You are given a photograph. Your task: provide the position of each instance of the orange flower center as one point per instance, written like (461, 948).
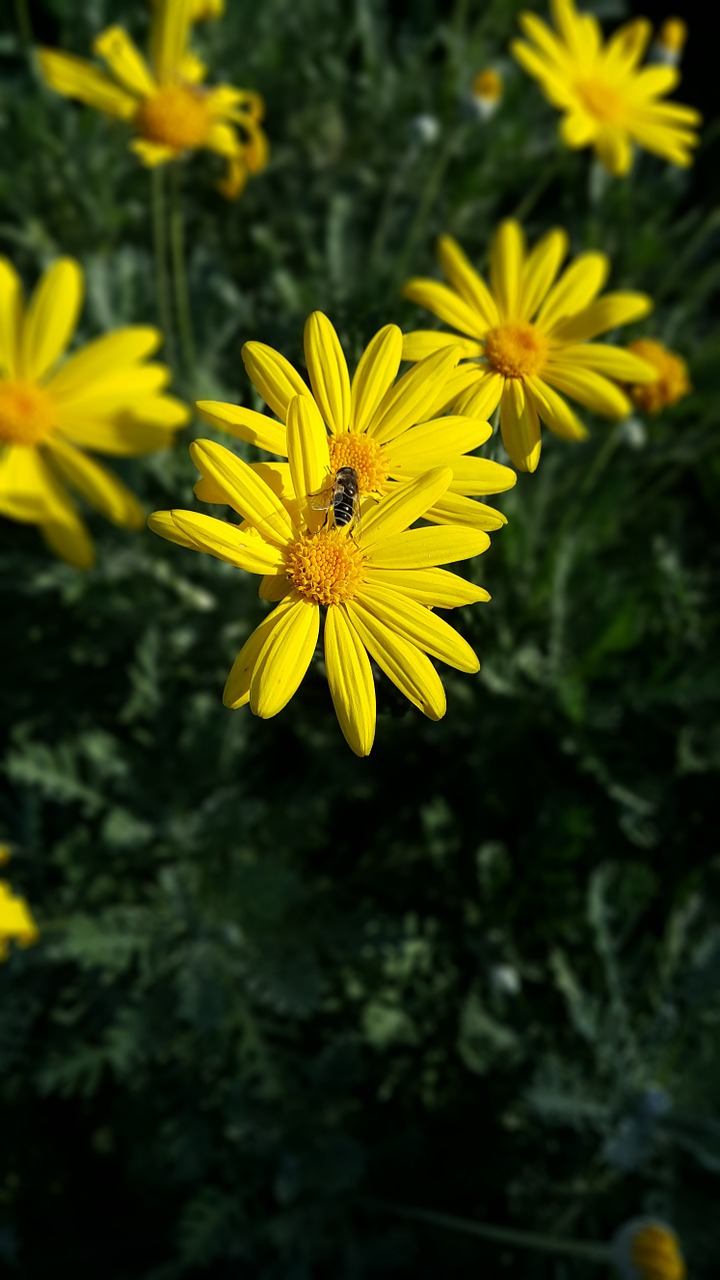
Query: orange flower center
(325, 567)
(362, 453)
(488, 84)
(515, 350)
(176, 116)
(27, 413)
(655, 1253)
(601, 101)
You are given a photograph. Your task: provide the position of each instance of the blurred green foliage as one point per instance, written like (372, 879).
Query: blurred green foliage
(279, 989)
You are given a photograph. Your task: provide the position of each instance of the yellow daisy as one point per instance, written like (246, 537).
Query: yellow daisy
(608, 103)
(16, 921)
(648, 1250)
(673, 381)
(105, 397)
(163, 99)
(376, 579)
(526, 339)
(380, 427)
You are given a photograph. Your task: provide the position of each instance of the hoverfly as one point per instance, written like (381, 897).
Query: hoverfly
(342, 497)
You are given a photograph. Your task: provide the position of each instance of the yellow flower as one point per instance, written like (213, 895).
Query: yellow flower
(673, 382)
(380, 427)
(15, 921)
(104, 397)
(377, 579)
(670, 41)
(607, 101)
(486, 92)
(163, 98)
(647, 1250)
(528, 337)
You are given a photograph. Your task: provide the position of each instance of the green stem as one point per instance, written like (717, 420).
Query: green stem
(179, 274)
(162, 283)
(503, 1235)
(22, 17)
(528, 202)
(429, 194)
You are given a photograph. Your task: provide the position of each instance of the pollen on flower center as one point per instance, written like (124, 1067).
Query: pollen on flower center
(325, 567)
(27, 413)
(601, 101)
(176, 116)
(364, 454)
(516, 350)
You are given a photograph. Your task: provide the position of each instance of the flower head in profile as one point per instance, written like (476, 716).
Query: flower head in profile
(105, 397)
(377, 581)
(672, 380)
(383, 428)
(608, 101)
(163, 98)
(527, 338)
(670, 41)
(645, 1249)
(16, 922)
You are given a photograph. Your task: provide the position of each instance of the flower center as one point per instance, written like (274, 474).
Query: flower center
(488, 84)
(325, 567)
(601, 101)
(176, 116)
(516, 350)
(27, 413)
(362, 453)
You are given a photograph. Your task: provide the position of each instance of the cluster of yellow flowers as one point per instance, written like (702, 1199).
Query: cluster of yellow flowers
(335, 525)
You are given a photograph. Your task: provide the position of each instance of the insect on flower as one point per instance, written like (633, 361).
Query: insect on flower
(343, 498)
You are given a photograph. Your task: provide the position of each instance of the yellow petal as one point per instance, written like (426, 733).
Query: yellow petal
(169, 37)
(556, 412)
(350, 678)
(406, 503)
(152, 154)
(427, 547)
(208, 491)
(507, 255)
(68, 537)
(434, 588)
(119, 436)
(589, 388)
(408, 668)
(605, 313)
(446, 304)
(613, 362)
(91, 364)
(614, 150)
(273, 376)
(237, 685)
(475, 477)
(425, 342)
(163, 524)
(117, 388)
(51, 317)
(78, 79)
(274, 587)
(26, 489)
(328, 371)
(246, 424)
(125, 61)
(284, 658)
(455, 508)
(429, 444)
(246, 491)
(575, 289)
(375, 374)
(245, 549)
(308, 455)
(482, 397)
(11, 317)
(519, 426)
(98, 486)
(541, 268)
(467, 282)
(419, 625)
(413, 398)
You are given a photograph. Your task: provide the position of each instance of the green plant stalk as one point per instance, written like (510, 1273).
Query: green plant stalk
(160, 248)
(590, 1250)
(179, 276)
(22, 17)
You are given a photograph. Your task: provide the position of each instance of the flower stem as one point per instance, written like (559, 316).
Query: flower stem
(162, 283)
(503, 1235)
(179, 274)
